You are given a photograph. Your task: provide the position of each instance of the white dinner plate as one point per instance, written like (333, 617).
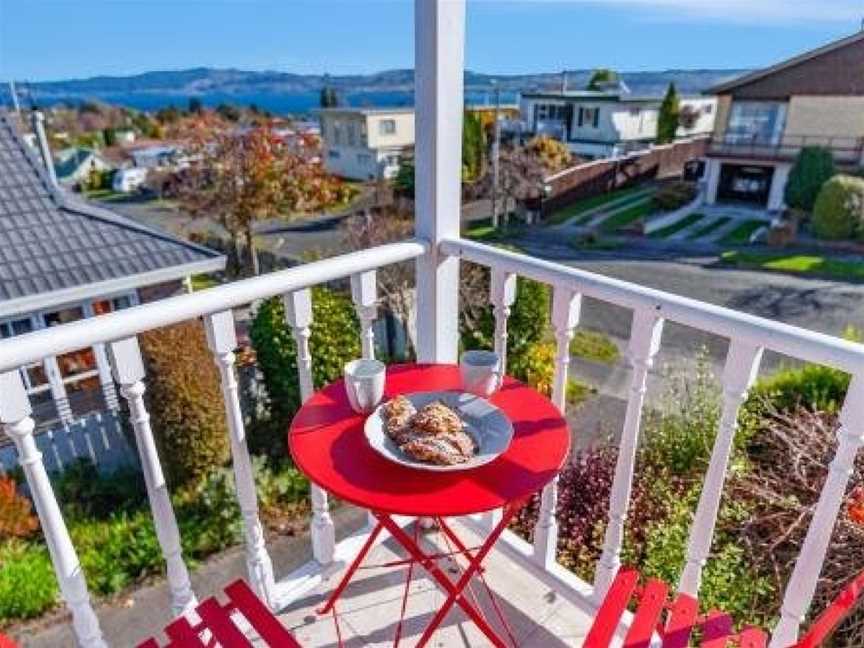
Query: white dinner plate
(488, 426)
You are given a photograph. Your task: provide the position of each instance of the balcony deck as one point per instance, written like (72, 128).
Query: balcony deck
(538, 615)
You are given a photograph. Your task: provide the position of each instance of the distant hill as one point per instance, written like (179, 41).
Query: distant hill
(284, 91)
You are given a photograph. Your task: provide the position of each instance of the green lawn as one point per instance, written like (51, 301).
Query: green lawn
(594, 346)
(807, 264)
(588, 204)
(741, 234)
(710, 228)
(482, 230)
(627, 216)
(202, 282)
(674, 228)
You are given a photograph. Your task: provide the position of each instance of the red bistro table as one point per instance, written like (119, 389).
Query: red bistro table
(328, 444)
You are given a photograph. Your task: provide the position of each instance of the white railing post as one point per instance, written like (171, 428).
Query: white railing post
(298, 314)
(645, 334)
(364, 293)
(103, 365)
(17, 423)
(805, 576)
(502, 294)
(742, 366)
(129, 373)
(439, 38)
(566, 308)
(222, 340)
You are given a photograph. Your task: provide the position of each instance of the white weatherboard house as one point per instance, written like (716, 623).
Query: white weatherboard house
(601, 124)
(366, 143)
(63, 260)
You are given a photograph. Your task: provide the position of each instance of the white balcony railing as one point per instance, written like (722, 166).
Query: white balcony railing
(437, 251)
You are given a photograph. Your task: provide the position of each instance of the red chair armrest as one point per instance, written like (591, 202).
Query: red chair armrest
(828, 621)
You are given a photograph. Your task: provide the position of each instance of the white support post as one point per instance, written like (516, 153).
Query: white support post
(16, 421)
(805, 576)
(742, 367)
(502, 294)
(298, 314)
(129, 372)
(566, 308)
(645, 334)
(103, 365)
(364, 293)
(439, 37)
(222, 340)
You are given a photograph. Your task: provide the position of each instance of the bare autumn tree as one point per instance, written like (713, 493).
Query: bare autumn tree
(240, 176)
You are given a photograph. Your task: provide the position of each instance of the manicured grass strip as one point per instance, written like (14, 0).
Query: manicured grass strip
(202, 282)
(587, 204)
(741, 234)
(710, 228)
(806, 264)
(595, 346)
(674, 228)
(627, 216)
(611, 206)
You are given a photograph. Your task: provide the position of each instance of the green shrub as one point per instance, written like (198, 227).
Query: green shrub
(839, 210)
(594, 346)
(528, 323)
(84, 492)
(185, 401)
(813, 167)
(674, 195)
(28, 587)
(334, 341)
(815, 387)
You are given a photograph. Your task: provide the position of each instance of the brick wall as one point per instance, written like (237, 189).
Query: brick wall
(592, 178)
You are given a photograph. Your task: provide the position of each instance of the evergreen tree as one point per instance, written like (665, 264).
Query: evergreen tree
(813, 167)
(329, 98)
(602, 76)
(473, 146)
(195, 105)
(670, 114)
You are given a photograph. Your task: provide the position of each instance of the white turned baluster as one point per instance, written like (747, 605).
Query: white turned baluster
(502, 294)
(222, 340)
(742, 366)
(802, 584)
(129, 372)
(645, 334)
(566, 306)
(17, 423)
(298, 314)
(364, 293)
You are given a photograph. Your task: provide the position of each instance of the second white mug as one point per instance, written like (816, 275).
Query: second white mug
(481, 372)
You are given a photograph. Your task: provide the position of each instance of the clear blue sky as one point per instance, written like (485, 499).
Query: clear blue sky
(41, 39)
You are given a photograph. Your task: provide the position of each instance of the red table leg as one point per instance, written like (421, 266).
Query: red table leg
(455, 591)
(352, 569)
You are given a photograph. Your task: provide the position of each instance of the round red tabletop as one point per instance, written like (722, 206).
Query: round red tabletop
(328, 444)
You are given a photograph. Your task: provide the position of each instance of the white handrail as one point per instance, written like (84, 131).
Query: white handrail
(758, 331)
(31, 347)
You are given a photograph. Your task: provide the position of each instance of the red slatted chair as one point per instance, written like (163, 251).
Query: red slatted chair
(217, 628)
(6, 642)
(674, 622)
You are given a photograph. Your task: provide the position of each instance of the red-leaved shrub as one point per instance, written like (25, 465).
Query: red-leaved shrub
(16, 512)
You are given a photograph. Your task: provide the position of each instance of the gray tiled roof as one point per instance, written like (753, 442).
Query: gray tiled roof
(49, 241)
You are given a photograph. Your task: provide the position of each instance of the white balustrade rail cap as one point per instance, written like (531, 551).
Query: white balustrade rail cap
(790, 340)
(32, 347)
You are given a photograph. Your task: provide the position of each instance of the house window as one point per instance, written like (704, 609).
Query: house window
(589, 117)
(392, 160)
(15, 327)
(755, 122)
(387, 127)
(551, 112)
(364, 159)
(337, 133)
(333, 155)
(635, 112)
(352, 134)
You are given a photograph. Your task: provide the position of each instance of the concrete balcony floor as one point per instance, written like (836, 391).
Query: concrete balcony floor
(369, 609)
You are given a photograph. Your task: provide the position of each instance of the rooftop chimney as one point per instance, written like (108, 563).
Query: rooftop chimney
(44, 150)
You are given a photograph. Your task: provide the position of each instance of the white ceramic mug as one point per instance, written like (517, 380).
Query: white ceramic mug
(481, 372)
(364, 384)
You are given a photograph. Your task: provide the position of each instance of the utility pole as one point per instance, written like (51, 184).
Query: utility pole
(496, 151)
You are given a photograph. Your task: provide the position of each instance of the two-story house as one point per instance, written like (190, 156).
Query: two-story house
(366, 143)
(766, 117)
(608, 123)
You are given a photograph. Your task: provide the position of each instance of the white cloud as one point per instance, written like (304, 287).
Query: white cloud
(835, 11)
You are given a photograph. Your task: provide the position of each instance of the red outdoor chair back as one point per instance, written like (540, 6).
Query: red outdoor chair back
(675, 621)
(218, 626)
(6, 642)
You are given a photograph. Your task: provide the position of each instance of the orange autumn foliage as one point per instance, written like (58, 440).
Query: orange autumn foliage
(855, 506)
(16, 512)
